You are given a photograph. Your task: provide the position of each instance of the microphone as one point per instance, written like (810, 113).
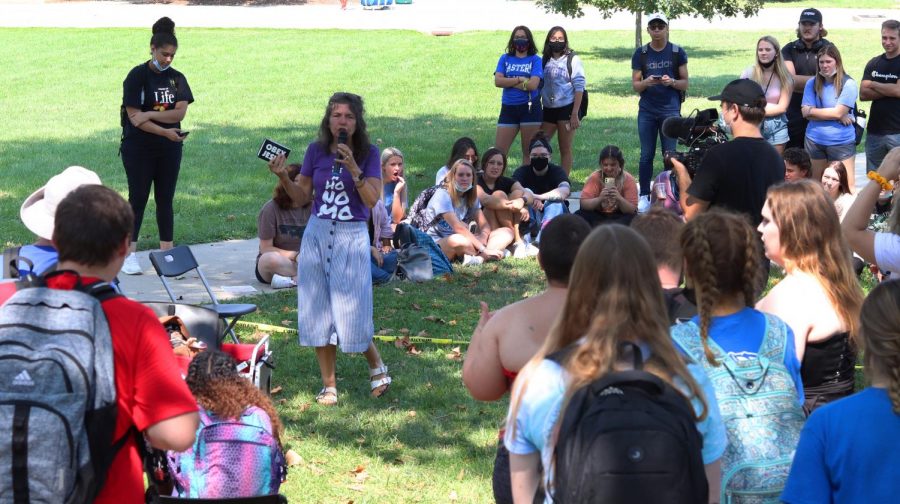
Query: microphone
(678, 127)
(337, 168)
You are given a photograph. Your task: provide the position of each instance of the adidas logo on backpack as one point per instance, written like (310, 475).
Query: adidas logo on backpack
(23, 379)
(57, 394)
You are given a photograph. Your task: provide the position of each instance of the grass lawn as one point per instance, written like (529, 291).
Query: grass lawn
(64, 88)
(426, 441)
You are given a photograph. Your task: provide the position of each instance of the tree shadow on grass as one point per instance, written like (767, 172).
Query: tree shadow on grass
(222, 184)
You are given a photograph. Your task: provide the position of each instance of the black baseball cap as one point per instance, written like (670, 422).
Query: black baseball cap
(743, 92)
(811, 15)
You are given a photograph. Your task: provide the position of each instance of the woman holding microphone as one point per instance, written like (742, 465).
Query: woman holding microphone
(341, 175)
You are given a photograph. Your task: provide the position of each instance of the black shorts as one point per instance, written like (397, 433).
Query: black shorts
(256, 270)
(558, 114)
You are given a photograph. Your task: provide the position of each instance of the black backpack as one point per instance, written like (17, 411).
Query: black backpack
(628, 437)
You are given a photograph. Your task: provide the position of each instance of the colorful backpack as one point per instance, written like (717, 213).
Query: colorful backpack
(230, 458)
(759, 405)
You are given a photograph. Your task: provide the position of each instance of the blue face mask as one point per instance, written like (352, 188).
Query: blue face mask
(521, 44)
(461, 189)
(158, 66)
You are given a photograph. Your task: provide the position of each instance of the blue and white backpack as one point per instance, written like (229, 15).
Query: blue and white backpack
(759, 405)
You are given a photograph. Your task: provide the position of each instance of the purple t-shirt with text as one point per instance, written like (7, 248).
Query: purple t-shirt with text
(336, 197)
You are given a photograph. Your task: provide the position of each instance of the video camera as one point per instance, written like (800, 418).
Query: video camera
(697, 132)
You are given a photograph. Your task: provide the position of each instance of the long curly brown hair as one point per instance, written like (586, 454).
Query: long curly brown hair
(217, 386)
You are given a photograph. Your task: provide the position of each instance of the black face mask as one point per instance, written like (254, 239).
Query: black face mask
(521, 44)
(557, 47)
(766, 65)
(539, 163)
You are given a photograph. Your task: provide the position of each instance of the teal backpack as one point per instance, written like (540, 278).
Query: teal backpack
(759, 405)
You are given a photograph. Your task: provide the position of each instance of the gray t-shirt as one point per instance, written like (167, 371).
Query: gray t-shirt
(440, 204)
(283, 227)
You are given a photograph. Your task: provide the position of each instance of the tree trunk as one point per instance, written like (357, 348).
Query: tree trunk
(637, 30)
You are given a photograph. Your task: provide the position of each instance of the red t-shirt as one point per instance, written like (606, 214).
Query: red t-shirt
(149, 388)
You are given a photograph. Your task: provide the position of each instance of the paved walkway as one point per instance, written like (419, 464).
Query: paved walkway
(444, 16)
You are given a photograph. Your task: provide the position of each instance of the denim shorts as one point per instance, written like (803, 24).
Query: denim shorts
(512, 116)
(830, 152)
(558, 114)
(775, 129)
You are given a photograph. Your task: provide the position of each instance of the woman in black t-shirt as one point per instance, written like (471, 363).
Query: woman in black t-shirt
(503, 199)
(155, 100)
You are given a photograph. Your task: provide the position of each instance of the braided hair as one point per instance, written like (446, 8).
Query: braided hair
(722, 255)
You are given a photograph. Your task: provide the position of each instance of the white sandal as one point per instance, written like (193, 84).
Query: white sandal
(328, 396)
(383, 381)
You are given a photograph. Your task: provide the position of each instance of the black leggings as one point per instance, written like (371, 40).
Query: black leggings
(155, 163)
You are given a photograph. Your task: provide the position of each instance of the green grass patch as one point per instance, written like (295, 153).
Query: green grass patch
(64, 87)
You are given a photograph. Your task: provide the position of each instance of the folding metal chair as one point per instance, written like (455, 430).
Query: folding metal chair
(255, 360)
(178, 261)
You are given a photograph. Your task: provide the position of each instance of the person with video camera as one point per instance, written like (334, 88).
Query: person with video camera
(736, 174)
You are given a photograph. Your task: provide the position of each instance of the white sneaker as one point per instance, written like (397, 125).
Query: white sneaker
(282, 282)
(531, 250)
(131, 266)
(643, 203)
(520, 250)
(506, 253)
(470, 260)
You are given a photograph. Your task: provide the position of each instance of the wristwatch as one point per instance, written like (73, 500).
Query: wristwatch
(359, 179)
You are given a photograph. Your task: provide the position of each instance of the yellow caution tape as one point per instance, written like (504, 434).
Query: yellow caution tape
(412, 339)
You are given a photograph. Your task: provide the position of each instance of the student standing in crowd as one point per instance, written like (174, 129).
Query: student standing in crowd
(155, 100)
(659, 74)
(819, 297)
(505, 340)
(562, 93)
(770, 73)
(880, 85)
(605, 306)
(848, 450)
(734, 175)
(800, 60)
(335, 303)
(828, 101)
(519, 73)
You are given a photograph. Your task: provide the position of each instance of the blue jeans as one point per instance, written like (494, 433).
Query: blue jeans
(382, 274)
(551, 209)
(877, 146)
(650, 127)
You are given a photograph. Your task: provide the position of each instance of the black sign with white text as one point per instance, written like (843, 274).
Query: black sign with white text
(270, 149)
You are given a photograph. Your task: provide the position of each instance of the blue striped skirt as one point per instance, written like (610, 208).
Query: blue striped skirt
(334, 296)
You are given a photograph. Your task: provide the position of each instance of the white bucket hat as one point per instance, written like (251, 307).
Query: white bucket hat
(39, 210)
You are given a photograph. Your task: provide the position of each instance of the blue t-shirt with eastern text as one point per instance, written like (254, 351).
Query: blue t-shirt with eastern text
(513, 66)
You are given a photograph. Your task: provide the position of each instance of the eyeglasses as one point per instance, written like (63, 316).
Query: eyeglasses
(657, 26)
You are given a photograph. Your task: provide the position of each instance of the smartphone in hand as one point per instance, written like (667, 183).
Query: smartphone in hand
(183, 134)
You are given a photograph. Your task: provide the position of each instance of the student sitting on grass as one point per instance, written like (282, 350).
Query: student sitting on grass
(453, 212)
(280, 225)
(505, 340)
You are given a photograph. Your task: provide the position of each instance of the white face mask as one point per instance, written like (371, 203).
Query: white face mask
(158, 66)
(461, 189)
(828, 75)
